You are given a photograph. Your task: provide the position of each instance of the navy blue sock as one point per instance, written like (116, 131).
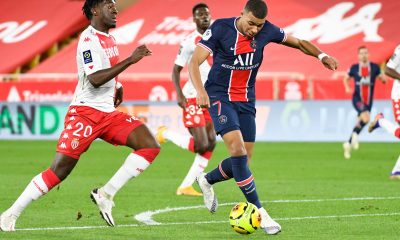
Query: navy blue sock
(357, 129)
(244, 179)
(222, 173)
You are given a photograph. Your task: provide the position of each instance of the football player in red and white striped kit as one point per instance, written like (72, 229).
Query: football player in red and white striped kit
(92, 115)
(197, 120)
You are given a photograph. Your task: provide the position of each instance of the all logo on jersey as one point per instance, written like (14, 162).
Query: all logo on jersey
(207, 35)
(246, 60)
(87, 57)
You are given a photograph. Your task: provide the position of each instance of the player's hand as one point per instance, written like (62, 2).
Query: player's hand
(182, 101)
(119, 96)
(202, 99)
(139, 53)
(330, 62)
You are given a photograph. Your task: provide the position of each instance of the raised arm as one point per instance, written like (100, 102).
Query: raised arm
(312, 50)
(199, 56)
(101, 77)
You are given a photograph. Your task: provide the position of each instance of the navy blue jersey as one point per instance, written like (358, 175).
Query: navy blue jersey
(236, 58)
(364, 79)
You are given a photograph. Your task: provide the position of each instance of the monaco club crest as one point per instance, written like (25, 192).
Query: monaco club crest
(74, 143)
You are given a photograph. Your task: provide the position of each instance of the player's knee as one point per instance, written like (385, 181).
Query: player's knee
(237, 149)
(212, 142)
(201, 146)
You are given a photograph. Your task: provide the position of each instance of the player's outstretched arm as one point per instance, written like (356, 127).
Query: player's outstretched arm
(312, 50)
(392, 73)
(101, 77)
(176, 79)
(199, 56)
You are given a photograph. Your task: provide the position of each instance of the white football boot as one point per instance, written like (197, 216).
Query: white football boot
(210, 199)
(347, 150)
(269, 226)
(354, 141)
(105, 205)
(7, 222)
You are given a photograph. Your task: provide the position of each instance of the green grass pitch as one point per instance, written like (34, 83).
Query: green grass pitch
(337, 190)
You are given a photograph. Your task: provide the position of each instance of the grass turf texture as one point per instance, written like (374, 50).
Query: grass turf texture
(283, 171)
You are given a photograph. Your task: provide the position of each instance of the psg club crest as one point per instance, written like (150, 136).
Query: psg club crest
(253, 44)
(75, 143)
(222, 119)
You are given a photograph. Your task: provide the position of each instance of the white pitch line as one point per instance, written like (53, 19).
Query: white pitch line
(209, 222)
(147, 217)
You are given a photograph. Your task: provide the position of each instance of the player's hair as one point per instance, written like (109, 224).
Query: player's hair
(257, 7)
(197, 6)
(361, 47)
(87, 7)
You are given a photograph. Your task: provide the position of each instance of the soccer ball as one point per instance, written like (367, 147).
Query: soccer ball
(244, 218)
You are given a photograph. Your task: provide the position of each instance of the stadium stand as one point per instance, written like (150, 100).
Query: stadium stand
(338, 27)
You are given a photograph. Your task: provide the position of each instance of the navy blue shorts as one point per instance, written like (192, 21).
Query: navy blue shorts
(228, 116)
(360, 106)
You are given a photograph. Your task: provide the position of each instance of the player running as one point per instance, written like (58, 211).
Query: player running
(197, 120)
(92, 115)
(364, 74)
(237, 45)
(392, 70)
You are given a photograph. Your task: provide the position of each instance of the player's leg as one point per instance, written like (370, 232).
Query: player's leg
(391, 128)
(363, 120)
(201, 135)
(71, 144)
(130, 132)
(193, 117)
(38, 186)
(360, 107)
(248, 130)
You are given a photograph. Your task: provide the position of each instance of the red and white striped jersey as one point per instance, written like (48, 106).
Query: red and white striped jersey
(96, 51)
(185, 54)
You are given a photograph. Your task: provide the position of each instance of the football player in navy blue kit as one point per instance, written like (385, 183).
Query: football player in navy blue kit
(364, 74)
(237, 45)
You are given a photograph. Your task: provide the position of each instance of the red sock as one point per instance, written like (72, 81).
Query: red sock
(50, 179)
(207, 155)
(148, 153)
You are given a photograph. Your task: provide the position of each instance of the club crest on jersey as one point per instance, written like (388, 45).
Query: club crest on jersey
(253, 44)
(222, 119)
(87, 57)
(207, 35)
(75, 143)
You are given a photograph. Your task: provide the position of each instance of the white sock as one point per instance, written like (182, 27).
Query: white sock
(388, 126)
(396, 166)
(132, 167)
(198, 166)
(35, 189)
(178, 139)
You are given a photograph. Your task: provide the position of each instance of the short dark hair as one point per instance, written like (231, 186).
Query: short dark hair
(197, 6)
(257, 7)
(87, 7)
(361, 47)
